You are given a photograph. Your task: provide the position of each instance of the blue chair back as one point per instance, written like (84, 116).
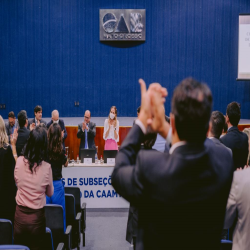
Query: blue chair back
(226, 245)
(13, 247)
(6, 232)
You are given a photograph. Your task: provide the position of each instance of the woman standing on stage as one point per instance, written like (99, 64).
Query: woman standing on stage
(111, 130)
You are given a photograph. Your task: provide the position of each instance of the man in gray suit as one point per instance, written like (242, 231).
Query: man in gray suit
(86, 132)
(238, 208)
(216, 127)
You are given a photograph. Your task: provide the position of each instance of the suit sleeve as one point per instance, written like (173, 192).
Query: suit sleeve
(92, 131)
(65, 131)
(231, 209)
(80, 133)
(126, 177)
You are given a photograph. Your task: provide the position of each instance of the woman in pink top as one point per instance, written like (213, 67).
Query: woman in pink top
(111, 130)
(34, 181)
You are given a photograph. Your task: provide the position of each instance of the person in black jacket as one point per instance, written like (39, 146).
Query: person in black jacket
(235, 139)
(23, 132)
(185, 189)
(38, 112)
(57, 158)
(7, 182)
(55, 119)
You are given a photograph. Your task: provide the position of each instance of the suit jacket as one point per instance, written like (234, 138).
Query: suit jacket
(7, 184)
(9, 128)
(185, 191)
(220, 144)
(91, 136)
(238, 208)
(23, 135)
(61, 123)
(34, 121)
(238, 142)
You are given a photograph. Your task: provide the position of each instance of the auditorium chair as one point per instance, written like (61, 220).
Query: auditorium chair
(48, 244)
(79, 208)
(6, 232)
(13, 247)
(226, 245)
(54, 221)
(73, 219)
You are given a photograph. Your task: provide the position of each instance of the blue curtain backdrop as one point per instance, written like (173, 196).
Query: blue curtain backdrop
(50, 54)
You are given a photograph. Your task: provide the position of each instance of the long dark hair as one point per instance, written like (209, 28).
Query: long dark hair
(55, 147)
(35, 150)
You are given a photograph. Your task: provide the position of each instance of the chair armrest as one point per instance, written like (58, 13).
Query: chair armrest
(67, 239)
(60, 246)
(83, 220)
(79, 216)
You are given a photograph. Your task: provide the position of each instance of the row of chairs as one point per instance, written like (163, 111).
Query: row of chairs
(55, 237)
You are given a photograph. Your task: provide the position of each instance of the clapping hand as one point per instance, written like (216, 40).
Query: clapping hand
(32, 126)
(84, 126)
(13, 137)
(152, 112)
(62, 134)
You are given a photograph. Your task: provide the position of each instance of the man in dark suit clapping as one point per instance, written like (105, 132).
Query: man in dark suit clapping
(86, 132)
(55, 119)
(183, 190)
(38, 112)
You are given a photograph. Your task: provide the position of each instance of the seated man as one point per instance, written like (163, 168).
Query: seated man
(86, 132)
(236, 140)
(23, 132)
(216, 128)
(38, 112)
(185, 189)
(11, 124)
(55, 119)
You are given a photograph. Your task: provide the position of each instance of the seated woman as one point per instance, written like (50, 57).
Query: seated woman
(34, 181)
(111, 130)
(57, 158)
(7, 182)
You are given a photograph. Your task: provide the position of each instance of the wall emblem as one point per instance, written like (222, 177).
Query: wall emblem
(122, 25)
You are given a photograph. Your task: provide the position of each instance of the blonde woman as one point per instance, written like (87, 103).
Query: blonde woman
(7, 183)
(111, 130)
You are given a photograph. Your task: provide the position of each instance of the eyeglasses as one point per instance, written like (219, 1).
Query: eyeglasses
(86, 117)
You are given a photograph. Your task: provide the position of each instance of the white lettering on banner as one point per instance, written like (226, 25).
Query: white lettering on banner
(95, 186)
(87, 160)
(111, 161)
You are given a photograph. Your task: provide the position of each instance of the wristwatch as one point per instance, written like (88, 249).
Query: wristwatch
(115, 128)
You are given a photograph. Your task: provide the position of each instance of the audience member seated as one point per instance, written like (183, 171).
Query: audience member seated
(38, 112)
(86, 132)
(238, 209)
(7, 183)
(235, 139)
(132, 224)
(57, 158)
(23, 132)
(217, 122)
(184, 190)
(33, 176)
(55, 119)
(11, 125)
(111, 130)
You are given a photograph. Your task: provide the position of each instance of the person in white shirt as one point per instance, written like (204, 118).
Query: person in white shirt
(111, 130)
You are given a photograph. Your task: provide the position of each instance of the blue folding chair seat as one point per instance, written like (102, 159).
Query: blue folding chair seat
(6, 232)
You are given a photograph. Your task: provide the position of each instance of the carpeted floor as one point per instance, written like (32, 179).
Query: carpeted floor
(106, 229)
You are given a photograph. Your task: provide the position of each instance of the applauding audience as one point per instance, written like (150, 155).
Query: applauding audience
(33, 176)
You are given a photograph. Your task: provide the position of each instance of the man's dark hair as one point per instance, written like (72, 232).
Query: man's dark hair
(22, 116)
(36, 149)
(38, 108)
(192, 106)
(11, 114)
(139, 109)
(217, 121)
(233, 113)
